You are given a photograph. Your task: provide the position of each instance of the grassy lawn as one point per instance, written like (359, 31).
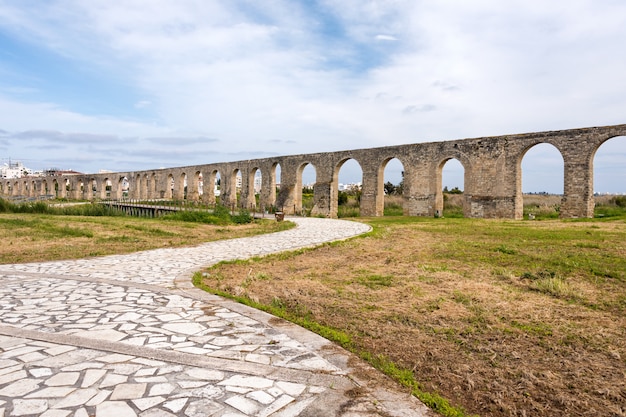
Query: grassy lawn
(496, 317)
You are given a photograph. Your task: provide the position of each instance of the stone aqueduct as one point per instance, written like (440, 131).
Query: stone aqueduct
(492, 189)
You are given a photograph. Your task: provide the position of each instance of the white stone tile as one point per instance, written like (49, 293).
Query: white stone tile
(56, 413)
(248, 382)
(20, 388)
(161, 389)
(13, 376)
(191, 384)
(51, 392)
(243, 404)
(92, 376)
(7, 363)
(276, 405)
(256, 358)
(57, 350)
(144, 403)
(177, 405)
(76, 398)
(101, 396)
(40, 372)
(291, 388)
(184, 328)
(115, 408)
(203, 408)
(261, 397)
(29, 407)
(108, 335)
(110, 380)
(62, 378)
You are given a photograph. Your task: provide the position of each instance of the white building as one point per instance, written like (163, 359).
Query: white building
(13, 170)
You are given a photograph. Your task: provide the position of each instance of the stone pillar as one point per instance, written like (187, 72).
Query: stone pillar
(192, 186)
(267, 197)
(372, 192)
(288, 200)
(419, 200)
(578, 199)
(247, 198)
(228, 190)
(324, 199)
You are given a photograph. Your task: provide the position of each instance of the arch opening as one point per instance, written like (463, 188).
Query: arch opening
(392, 184)
(450, 200)
(303, 201)
(609, 177)
(540, 182)
(348, 186)
(123, 188)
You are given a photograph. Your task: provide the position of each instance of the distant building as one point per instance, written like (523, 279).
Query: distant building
(14, 170)
(56, 172)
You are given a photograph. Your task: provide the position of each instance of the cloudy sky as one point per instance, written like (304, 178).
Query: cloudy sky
(138, 84)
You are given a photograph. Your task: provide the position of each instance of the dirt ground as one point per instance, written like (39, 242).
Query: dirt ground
(472, 326)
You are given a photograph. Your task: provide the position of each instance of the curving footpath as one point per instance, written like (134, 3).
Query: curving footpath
(128, 335)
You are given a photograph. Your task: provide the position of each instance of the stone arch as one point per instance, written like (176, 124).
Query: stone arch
(439, 195)
(123, 188)
(609, 170)
(58, 189)
(453, 170)
(352, 189)
(179, 190)
(543, 173)
(298, 190)
(387, 175)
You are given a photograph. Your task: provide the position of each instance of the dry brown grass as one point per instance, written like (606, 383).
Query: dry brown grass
(34, 237)
(502, 318)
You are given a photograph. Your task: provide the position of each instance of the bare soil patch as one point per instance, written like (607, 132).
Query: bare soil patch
(503, 318)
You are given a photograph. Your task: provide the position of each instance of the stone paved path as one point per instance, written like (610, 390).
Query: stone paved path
(128, 335)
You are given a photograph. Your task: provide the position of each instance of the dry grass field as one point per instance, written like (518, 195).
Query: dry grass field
(40, 237)
(501, 318)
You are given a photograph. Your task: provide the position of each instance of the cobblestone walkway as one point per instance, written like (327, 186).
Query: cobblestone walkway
(128, 335)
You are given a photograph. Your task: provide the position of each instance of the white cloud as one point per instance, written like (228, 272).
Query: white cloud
(386, 38)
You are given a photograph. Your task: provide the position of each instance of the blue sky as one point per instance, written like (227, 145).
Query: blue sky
(91, 85)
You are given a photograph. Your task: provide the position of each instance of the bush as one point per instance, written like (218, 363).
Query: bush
(619, 201)
(342, 198)
(243, 217)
